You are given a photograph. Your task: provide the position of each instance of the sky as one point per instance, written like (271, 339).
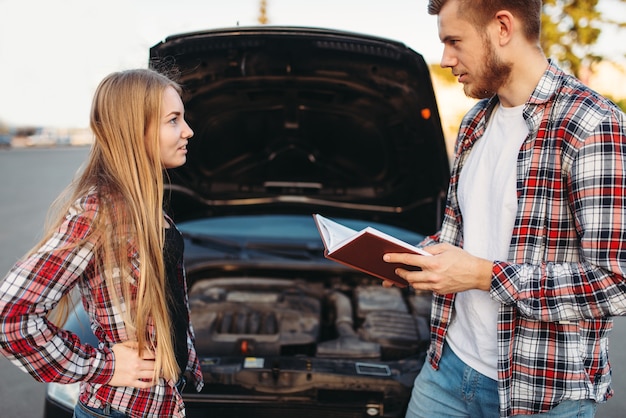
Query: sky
(53, 53)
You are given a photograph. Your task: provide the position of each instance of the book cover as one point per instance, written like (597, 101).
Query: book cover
(363, 250)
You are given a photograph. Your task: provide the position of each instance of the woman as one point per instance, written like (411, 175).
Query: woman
(111, 239)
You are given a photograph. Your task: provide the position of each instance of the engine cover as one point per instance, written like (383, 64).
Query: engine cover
(254, 317)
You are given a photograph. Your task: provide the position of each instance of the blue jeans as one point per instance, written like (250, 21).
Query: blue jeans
(83, 411)
(457, 390)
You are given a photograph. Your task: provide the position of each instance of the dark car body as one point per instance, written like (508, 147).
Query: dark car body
(289, 122)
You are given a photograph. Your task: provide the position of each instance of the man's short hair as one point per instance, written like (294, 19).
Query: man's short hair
(480, 12)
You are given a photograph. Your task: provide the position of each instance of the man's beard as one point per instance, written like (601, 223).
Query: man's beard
(493, 75)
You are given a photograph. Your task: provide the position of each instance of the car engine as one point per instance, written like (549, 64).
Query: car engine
(243, 316)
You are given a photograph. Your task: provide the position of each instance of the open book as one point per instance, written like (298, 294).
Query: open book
(363, 250)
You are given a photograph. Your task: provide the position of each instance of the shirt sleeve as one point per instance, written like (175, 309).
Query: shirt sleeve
(31, 289)
(593, 285)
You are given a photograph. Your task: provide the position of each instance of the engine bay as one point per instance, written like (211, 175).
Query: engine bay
(259, 317)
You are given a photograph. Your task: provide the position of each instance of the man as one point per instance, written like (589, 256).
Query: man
(529, 264)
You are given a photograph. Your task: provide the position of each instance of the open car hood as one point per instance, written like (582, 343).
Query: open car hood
(302, 120)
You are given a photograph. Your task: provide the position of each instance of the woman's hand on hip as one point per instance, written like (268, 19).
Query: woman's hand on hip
(131, 369)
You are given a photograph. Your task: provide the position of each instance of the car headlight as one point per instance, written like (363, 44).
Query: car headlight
(66, 395)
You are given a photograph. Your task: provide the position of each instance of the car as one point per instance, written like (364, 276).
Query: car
(288, 122)
(5, 141)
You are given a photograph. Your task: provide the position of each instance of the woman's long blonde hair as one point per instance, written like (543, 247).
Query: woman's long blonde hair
(125, 171)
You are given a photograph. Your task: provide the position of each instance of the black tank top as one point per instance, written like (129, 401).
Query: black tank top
(173, 257)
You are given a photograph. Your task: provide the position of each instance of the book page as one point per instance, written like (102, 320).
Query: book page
(333, 233)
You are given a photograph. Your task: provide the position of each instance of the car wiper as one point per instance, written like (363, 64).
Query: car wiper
(298, 250)
(218, 244)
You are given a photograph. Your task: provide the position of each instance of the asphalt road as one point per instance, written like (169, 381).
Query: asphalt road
(32, 178)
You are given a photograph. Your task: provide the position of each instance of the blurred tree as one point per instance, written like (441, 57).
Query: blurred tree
(620, 102)
(263, 20)
(442, 73)
(570, 28)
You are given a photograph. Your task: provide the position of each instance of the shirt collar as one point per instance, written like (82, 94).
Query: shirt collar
(548, 84)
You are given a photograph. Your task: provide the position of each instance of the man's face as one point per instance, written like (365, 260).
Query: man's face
(470, 54)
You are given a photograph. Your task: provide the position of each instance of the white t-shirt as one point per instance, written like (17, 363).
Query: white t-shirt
(488, 202)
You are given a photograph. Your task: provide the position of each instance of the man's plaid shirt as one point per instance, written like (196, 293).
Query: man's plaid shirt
(564, 277)
(50, 354)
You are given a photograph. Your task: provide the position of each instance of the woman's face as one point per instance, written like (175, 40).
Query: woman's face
(174, 132)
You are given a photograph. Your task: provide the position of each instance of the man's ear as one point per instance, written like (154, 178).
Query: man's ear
(506, 26)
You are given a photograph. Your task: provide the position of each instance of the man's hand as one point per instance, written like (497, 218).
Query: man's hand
(130, 369)
(450, 270)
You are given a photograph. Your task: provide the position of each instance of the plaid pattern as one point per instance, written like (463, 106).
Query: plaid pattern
(564, 277)
(34, 286)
